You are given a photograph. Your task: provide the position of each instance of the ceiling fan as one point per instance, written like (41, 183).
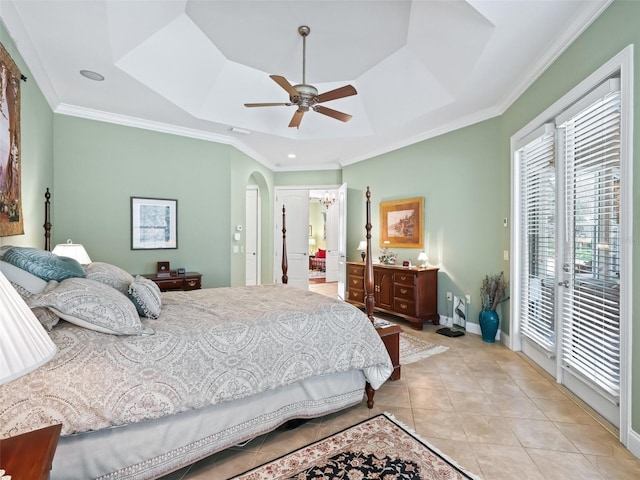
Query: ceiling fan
(305, 96)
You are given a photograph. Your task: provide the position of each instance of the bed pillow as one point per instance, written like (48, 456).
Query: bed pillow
(93, 305)
(321, 253)
(43, 264)
(110, 275)
(26, 280)
(146, 296)
(47, 318)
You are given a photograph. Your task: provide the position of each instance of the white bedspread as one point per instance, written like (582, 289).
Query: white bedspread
(210, 346)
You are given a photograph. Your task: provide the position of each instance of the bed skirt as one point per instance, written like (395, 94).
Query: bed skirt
(154, 448)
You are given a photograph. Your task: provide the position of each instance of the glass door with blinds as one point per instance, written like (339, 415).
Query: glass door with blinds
(569, 309)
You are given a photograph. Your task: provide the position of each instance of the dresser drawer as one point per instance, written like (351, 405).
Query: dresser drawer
(170, 283)
(356, 295)
(183, 281)
(356, 271)
(405, 292)
(192, 283)
(404, 278)
(404, 307)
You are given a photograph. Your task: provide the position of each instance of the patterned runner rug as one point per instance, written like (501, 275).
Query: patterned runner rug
(377, 448)
(413, 349)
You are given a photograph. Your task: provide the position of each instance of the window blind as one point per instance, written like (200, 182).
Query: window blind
(591, 301)
(538, 191)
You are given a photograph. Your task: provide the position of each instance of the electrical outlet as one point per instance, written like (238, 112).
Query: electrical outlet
(449, 296)
(468, 297)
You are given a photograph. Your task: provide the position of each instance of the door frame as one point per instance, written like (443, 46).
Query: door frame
(278, 189)
(622, 62)
(258, 227)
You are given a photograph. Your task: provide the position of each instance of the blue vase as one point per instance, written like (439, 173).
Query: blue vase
(489, 322)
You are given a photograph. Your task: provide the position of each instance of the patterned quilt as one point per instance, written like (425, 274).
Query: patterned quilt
(210, 346)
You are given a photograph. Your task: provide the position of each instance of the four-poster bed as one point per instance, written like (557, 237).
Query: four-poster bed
(222, 366)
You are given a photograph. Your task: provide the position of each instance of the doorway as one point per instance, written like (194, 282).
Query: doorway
(316, 234)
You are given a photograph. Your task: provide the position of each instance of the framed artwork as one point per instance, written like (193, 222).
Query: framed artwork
(11, 222)
(401, 223)
(154, 223)
(310, 231)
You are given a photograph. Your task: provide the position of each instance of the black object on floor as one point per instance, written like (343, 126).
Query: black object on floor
(448, 332)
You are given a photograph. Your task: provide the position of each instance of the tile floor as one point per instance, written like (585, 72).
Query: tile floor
(483, 405)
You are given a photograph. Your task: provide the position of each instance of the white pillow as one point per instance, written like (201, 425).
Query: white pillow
(26, 280)
(93, 305)
(110, 275)
(146, 297)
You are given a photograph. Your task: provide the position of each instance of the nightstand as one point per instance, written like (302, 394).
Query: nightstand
(182, 281)
(30, 455)
(390, 336)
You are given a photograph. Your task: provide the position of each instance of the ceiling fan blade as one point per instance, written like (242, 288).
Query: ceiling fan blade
(267, 104)
(283, 82)
(296, 119)
(341, 92)
(343, 117)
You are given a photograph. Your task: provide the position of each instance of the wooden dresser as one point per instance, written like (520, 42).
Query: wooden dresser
(409, 292)
(182, 281)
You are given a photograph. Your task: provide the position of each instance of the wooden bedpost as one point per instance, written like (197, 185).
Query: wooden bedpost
(47, 221)
(285, 265)
(368, 267)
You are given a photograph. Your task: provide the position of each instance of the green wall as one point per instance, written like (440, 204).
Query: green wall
(311, 177)
(36, 153)
(103, 165)
(466, 190)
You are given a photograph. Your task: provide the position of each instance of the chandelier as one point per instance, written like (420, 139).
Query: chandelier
(328, 200)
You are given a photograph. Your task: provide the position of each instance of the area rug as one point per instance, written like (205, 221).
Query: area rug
(413, 349)
(379, 448)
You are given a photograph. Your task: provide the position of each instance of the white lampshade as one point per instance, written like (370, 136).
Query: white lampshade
(362, 246)
(422, 257)
(72, 250)
(312, 241)
(24, 343)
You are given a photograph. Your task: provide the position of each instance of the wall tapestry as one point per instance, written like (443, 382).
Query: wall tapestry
(10, 195)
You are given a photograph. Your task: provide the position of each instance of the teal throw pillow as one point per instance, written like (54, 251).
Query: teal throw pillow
(43, 264)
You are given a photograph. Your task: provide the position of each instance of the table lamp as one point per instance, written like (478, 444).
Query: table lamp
(72, 250)
(422, 257)
(362, 248)
(24, 343)
(312, 243)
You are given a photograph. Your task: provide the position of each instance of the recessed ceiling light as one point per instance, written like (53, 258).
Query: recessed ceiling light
(239, 131)
(292, 155)
(92, 75)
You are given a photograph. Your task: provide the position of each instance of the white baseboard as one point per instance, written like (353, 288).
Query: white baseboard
(634, 443)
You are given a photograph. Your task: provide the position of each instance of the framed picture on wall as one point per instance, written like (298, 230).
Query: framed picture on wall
(154, 223)
(401, 223)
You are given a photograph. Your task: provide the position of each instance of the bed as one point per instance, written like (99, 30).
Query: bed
(201, 370)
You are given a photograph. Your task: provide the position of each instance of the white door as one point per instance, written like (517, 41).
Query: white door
(342, 240)
(296, 203)
(252, 275)
(570, 283)
(333, 242)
